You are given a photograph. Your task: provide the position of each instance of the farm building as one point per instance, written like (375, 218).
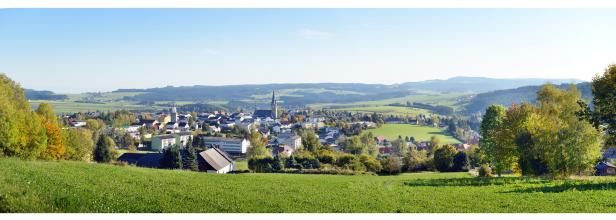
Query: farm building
(606, 169)
(215, 160)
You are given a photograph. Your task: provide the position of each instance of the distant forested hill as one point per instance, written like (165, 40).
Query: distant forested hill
(309, 93)
(43, 95)
(479, 84)
(518, 95)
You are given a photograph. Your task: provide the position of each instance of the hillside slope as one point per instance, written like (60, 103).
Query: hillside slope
(34, 186)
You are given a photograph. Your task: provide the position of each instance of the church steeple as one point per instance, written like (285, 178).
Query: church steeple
(274, 106)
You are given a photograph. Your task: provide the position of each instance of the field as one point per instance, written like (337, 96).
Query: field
(71, 106)
(387, 110)
(421, 133)
(36, 186)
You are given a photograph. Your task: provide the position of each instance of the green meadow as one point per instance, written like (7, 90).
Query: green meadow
(65, 186)
(387, 110)
(421, 133)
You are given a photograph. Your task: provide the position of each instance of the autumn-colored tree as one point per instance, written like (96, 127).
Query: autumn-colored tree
(55, 141)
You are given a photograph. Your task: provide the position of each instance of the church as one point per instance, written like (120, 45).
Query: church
(272, 113)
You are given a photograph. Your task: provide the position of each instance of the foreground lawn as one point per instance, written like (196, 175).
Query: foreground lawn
(82, 187)
(421, 133)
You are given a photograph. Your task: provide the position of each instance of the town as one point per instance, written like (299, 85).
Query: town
(219, 138)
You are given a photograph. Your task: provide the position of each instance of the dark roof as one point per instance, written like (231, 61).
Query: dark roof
(603, 165)
(130, 158)
(262, 113)
(216, 158)
(151, 160)
(182, 124)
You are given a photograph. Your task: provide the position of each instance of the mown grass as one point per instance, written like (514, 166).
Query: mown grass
(34, 186)
(421, 133)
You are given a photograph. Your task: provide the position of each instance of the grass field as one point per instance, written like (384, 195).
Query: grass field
(71, 106)
(82, 187)
(421, 133)
(387, 110)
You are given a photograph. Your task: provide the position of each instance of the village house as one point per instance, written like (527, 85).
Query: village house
(162, 142)
(605, 169)
(215, 160)
(229, 145)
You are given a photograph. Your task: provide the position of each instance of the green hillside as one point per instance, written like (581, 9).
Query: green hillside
(34, 186)
(421, 133)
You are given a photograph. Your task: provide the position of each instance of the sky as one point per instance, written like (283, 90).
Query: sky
(90, 50)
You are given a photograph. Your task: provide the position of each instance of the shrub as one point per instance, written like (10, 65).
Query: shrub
(485, 171)
(460, 161)
(443, 158)
(371, 163)
(391, 165)
(345, 160)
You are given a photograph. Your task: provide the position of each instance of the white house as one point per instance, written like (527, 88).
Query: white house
(229, 145)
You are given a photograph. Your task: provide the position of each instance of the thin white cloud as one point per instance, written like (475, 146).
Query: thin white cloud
(314, 34)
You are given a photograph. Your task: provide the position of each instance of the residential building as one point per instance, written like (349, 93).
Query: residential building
(229, 145)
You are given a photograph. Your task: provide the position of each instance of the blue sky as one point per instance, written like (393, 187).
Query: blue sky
(77, 50)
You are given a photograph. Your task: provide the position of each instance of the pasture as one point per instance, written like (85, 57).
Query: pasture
(64, 186)
(421, 133)
(387, 110)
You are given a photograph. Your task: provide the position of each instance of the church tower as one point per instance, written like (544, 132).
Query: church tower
(274, 106)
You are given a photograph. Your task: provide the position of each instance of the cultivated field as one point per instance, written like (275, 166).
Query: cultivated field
(387, 110)
(81, 187)
(421, 133)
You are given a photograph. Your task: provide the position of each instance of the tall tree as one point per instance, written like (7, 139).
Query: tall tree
(55, 142)
(172, 159)
(444, 158)
(310, 141)
(191, 158)
(21, 130)
(493, 118)
(103, 153)
(567, 145)
(257, 145)
(603, 114)
(79, 144)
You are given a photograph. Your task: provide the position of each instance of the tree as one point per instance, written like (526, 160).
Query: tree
(604, 110)
(444, 158)
(257, 146)
(475, 156)
(310, 141)
(567, 145)
(127, 142)
(371, 163)
(415, 160)
(460, 161)
(21, 130)
(391, 165)
(435, 142)
(191, 157)
(79, 144)
(55, 143)
(367, 139)
(399, 146)
(492, 119)
(355, 146)
(103, 153)
(172, 159)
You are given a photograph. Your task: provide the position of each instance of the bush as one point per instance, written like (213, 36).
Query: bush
(485, 171)
(443, 158)
(345, 160)
(391, 165)
(371, 163)
(460, 162)
(261, 164)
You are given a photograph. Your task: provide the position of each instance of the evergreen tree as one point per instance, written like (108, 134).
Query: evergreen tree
(103, 153)
(191, 157)
(172, 159)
